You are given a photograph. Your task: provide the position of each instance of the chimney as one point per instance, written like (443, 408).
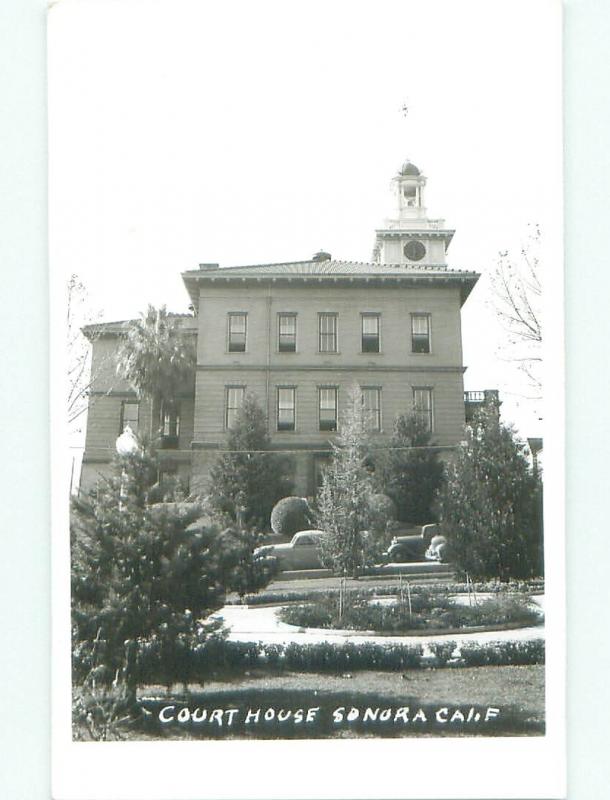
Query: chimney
(321, 255)
(208, 267)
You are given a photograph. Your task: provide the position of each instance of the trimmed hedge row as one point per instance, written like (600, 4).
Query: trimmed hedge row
(490, 587)
(219, 655)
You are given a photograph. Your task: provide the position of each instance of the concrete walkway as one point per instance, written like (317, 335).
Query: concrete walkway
(253, 624)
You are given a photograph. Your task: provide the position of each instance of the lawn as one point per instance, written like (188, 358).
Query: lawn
(481, 701)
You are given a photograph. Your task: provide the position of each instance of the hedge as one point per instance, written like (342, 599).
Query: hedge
(217, 655)
(490, 587)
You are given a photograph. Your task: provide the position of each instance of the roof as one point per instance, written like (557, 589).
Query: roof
(118, 327)
(330, 271)
(409, 168)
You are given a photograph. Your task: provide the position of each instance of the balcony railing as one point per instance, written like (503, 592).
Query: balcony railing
(474, 401)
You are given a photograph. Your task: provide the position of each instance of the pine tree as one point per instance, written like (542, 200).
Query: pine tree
(249, 479)
(144, 577)
(489, 505)
(346, 504)
(410, 470)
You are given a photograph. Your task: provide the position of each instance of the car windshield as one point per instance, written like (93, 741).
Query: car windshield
(306, 540)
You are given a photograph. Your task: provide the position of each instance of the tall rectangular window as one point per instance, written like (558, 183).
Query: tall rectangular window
(420, 333)
(328, 333)
(371, 404)
(424, 407)
(327, 396)
(286, 415)
(233, 402)
(370, 333)
(170, 428)
(287, 333)
(237, 332)
(130, 410)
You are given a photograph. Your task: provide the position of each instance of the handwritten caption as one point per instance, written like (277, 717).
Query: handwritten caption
(340, 716)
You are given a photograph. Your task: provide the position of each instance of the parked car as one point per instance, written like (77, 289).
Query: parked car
(301, 552)
(410, 548)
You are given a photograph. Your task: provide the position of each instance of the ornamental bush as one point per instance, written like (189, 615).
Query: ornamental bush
(490, 505)
(384, 506)
(290, 515)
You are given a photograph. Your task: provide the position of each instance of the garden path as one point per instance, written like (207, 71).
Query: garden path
(255, 624)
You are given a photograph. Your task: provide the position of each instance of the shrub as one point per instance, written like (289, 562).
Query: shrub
(426, 611)
(475, 654)
(290, 515)
(383, 505)
(390, 589)
(442, 651)
(410, 470)
(490, 504)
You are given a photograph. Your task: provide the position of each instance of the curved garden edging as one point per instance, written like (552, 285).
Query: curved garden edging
(256, 623)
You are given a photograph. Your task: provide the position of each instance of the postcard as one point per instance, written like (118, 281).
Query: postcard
(306, 301)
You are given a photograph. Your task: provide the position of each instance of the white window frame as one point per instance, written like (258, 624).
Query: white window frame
(280, 315)
(370, 315)
(328, 315)
(377, 390)
(229, 388)
(416, 315)
(425, 413)
(336, 391)
(122, 423)
(230, 316)
(293, 389)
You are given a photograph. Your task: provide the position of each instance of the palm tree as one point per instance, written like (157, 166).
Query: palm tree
(157, 359)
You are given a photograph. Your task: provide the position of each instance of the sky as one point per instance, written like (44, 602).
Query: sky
(253, 132)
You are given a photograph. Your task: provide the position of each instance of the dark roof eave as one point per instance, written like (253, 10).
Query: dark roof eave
(467, 280)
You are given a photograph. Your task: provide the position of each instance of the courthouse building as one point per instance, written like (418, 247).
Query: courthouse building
(299, 335)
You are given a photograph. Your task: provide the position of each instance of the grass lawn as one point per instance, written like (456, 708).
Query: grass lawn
(440, 702)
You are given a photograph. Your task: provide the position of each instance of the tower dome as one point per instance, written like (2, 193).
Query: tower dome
(409, 168)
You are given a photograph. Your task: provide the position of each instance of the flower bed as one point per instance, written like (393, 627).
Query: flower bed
(421, 611)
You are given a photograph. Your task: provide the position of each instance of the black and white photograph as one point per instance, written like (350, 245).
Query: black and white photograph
(306, 283)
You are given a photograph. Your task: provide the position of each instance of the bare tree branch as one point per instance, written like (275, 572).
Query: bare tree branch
(80, 378)
(517, 295)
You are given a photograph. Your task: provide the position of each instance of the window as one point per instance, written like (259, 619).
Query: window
(420, 333)
(237, 333)
(307, 541)
(287, 333)
(328, 408)
(129, 415)
(370, 333)
(234, 400)
(422, 405)
(286, 408)
(320, 465)
(170, 428)
(328, 333)
(371, 403)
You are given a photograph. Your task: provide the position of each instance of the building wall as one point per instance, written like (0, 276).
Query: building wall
(393, 250)
(262, 369)
(108, 392)
(394, 303)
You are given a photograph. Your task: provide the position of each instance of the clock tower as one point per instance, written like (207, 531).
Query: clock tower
(411, 237)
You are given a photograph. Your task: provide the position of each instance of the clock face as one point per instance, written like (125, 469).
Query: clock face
(414, 250)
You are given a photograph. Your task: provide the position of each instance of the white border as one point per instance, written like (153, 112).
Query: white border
(531, 767)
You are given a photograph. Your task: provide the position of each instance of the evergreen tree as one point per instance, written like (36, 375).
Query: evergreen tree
(347, 506)
(144, 577)
(489, 505)
(409, 471)
(249, 479)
